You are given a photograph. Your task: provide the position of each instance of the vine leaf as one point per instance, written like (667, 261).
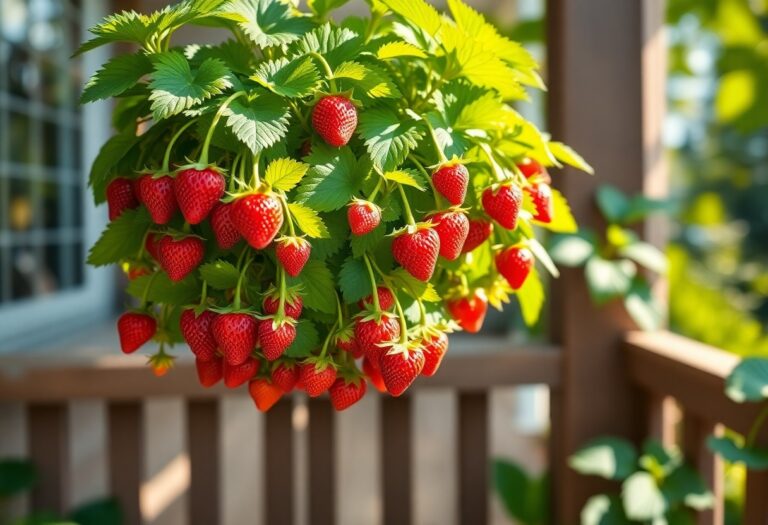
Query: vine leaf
(388, 137)
(269, 22)
(117, 75)
(333, 179)
(308, 220)
(284, 174)
(260, 122)
(122, 239)
(220, 274)
(289, 78)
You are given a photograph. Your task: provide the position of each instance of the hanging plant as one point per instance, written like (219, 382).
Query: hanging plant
(310, 203)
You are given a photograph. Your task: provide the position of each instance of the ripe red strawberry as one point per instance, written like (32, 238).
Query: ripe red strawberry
(479, 231)
(135, 329)
(197, 192)
(363, 216)
(346, 393)
(135, 271)
(451, 181)
(417, 251)
(400, 367)
(452, 227)
(159, 198)
(285, 376)
(209, 372)
(349, 344)
(224, 229)
(293, 254)
(386, 299)
(120, 197)
(236, 375)
(515, 263)
(317, 375)
(151, 245)
(503, 204)
(541, 195)
(531, 168)
(258, 217)
(275, 339)
(264, 394)
(236, 335)
(434, 348)
(197, 332)
(469, 312)
(292, 308)
(334, 118)
(180, 257)
(374, 375)
(369, 335)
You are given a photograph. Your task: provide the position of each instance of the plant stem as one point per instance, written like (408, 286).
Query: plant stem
(331, 333)
(255, 179)
(206, 145)
(167, 156)
(376, 188)
(498, 172)
(236, 303)
(339, 312)
(326, 68)
(756, 426)
(407, 207)
(204, 295)
(441, 156)
(144, 296)
(288, 215)
(438, 198)
(403, 323)
(374, 288)
(233, 169)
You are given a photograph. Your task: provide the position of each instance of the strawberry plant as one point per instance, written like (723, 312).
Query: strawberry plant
(312, 204)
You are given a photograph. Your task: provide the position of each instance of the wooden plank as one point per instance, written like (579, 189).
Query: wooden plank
(48, 436)
(756, 502)
(125, 431)
(203, 443)
(278, 451)
(663, 416)
(473, 458)
(322, 475)
(710, 466)
(396, 461)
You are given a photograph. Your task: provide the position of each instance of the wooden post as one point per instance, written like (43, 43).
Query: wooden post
(203, 444)
(126, 456)
(606, 99)
(48, 446)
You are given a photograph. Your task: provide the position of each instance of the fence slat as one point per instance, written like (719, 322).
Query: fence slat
(126, 456)
(473, 457)
(48, 449)
(203, 443)
(322, 479)
(710, 466)
(756, 500)
(278, 453)
(396, 457)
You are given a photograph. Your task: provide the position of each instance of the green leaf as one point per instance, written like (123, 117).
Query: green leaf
(607, 457)
(685, 485)
(531, 297)
(642, 497)
(175, 87)
(288, 78)
(100, 512)
(332, 181)
(567, 155)
(122, 239)
(752, 458)
(368, 80)
(368, 242)
(572, 250)
(658, 460)
(418, 13)
(414, 287)
(126, 26)
(354, 281)
(641, 206)
(609, 279)
(284, 174)
(110, 155)
(308, 220)
(220, 274)
(525, 498)
(646, 255)
(236, 55)
(269, 22)
(543, 257)
(321, 8)
(336, 44)
(612, 203)
(117, 75)
(316, 281)
(603, 510)
(388, 137)
(642, 306)
(163, 290)
(16, 475)
(307, 339)
(562, 217)
(748, 381)
(404, 177)
(258, 123)
(399, 49)
(352, 70)
(480, 113)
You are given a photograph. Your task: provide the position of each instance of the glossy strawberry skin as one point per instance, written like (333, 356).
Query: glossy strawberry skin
(158, 197)
(541, 195)
(531, 168)
(503, 205)
(451, 182)
(224, 229)
(197, 192)
(334, 118)
(452, 228)
(349, 345)
(293, 253)
(434, 349)
(292, 309)
(479, 231)
(369, 335)
(197, 332)
(236, 375)
(400, 369)
(469, 312)
(417, 252)
(386, 299)
(120, 197)
(285, 377)
(264, 394)
(135, 329)
(209, 372)
(236, 335)
(151, 245)
(363, 217)
(515, 264)
(275, 340)
(315, 380)
(374, 375)
(258, 217)
(180, 257)
(344, 394)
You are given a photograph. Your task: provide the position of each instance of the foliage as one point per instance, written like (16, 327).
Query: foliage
(525, 497)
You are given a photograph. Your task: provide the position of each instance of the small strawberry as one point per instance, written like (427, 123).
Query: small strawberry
(135, 329)
(236, 335)
(197, 192)
(470, 311)
(370, 334)
(258, 217)
(276, 337)
(293, 305)
(503, 204)
(515, 263)
(452, 227)
(317, 374)
(236, 375)
(151, 245)
(161, 363)
(134, 271)
(197, 332)
(209, 372)
(400, 367)
(434, 348)
(293, 254)
(346, 392)
(180, 257)
(541, 195)
(451, 181)
(158, 197)
(306, 149)
(346, 342)
(264, 394)
(531, 168)
(224, 229)
(285, 375)
(363, 216)
(120, 197)
(386, 299)
(334, 118)
(479, 231)
(374, 375)
(416, 250)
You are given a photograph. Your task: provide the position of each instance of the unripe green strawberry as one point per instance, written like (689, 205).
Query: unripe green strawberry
(334, 118)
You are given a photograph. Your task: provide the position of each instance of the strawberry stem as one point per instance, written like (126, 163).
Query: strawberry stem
(281, 302)
(435, 193)
(376, 188)
(289, 216)
(233, 169)
(326, 68)
(206, 145)
(406, 206)
(143, 305)
(331, 335)
(255, 178)
(440, 155)
(372, 277)
(403, 323)
(239, 287)
(339, 312)
(167, 155)
(498, 172)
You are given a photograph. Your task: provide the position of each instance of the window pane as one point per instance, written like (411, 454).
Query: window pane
(25, 268)
(19, 137)
(51, 208)
(51, 145)
(23, 74)
(78, 263)
(20, 212)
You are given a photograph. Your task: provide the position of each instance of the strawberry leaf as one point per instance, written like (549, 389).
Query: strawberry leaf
(333, 179)
(405, 177)
(388, 137)
(531, 298)
(399, 49)
(316, 280)
(122, 239)
(119, 74)
(367, 80)
(268, 22)
(127, 26)
(308, 220)
(562, 217)
(414, 287)
(163, 290)
(354, 281)
(336, 44)
(292, 79)
(321, 8)
(368, 242)
(258, 123)
(220, 274)
(284, 174)
(111, 153)
(567, 155)
(307, 339)
(418, 13)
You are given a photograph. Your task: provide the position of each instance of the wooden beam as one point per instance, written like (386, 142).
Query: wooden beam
(278, 451)
(203, 444)
(126, 456)
(473, 457)
(396, 460)
(322, 458)
(48, 435)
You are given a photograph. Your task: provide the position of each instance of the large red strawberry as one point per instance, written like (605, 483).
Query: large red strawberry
(374, 375)
(258, 217)
(197, 332)
(416, 250)
(135, 329)
(275, 338)
(209, 372)
(363, 216)
(158, 197)
(479, 231)
(372, 336)
(541, 195)
(386, 299)
(285, 375)
(293, 307)
(120, 197)
(264, 394)
(470, 311)
(317, 375)
(293, 254)
(197, 192)
(503, 204)
(334, 118)
(236, 334)
(434, 348)
(400, 367)
(346, 392)
(450, 181)
(452, 227)
(531, 168)
(224, 229)
(236, 375)
(515, 264)
(180, 257)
